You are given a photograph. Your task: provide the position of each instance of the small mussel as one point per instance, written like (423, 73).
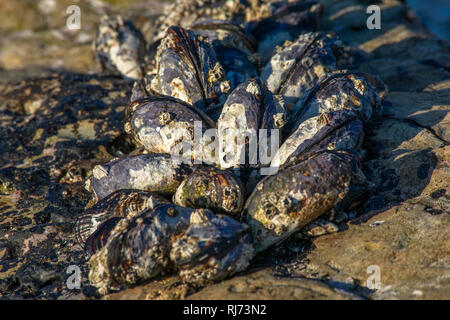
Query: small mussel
(286, 21)
(160, 173)
(336, 130)
(338, 90)
(188, 69)
(214, 189)
(120, 47)
(298, 65)
(283, 203)
(171, 238)
(163, 124)
(249, 108)
(121, 203)
(234, 47)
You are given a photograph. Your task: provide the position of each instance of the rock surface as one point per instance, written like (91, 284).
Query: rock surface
(56, 127)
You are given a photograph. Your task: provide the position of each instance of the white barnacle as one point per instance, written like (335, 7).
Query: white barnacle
(99, 172)
(253, 88)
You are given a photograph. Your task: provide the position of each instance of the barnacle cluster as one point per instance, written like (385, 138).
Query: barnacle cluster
(235, 69)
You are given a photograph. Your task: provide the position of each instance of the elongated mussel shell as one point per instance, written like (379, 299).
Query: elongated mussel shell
(121, 203)
(188, 69)
(164, 124)
(338, 90)
(234, 47)
(286, 22)
(250, 107)
(166, 238)
(298, 66)
(119, 47)
(287, 201)
(214, 189)
(160, 173)
(214, 247)
(336, 130)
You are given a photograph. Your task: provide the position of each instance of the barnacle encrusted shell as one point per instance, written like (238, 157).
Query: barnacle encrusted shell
(121, 203)
(164, 124)
(286, 21)
(336, 130)
(188, 69)
(212, 188)
(167, 238)
(119, 47)
(250, 107)
(234, 48)
(287, 201)
(184, 13)
(298, 65)
(214, 247)
(226, 34)
(336, 91)
(160, 173)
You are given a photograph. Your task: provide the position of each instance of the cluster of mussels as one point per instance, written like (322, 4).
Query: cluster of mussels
(230, 65)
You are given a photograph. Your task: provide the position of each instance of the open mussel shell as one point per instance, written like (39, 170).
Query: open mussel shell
(188, 69)
(298, 66)
(212, 188)
(250, 107)
(163, 124)
(160, 173)
(98, 239)
(119, 47)
(287, 21)
(338, 90)
(283, 203)
(122, 204)
(167, 238)
(336, 130)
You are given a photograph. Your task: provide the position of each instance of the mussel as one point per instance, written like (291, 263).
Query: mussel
(338, 90)
(121, 203)
(120, 47)
(285, 22)
(188, 69)
(336, 130)
(234, 48)
(160, 173)
(283, 203)
(162, 124)
(249, 108)
(298, 65)
(204, 246)
(212, 188)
